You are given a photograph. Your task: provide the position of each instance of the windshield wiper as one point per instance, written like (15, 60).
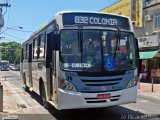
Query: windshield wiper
(80, 41)
(80, 34)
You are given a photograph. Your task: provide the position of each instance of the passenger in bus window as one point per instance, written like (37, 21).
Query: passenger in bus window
(113, 45)
(68, 48)
(125, 57)
(105, 44)
(91, 46)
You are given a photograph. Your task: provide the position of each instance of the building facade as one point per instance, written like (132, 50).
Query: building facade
(152, 17)
(145, 15)
(149, 37)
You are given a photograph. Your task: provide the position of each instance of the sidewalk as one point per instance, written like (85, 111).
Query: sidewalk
(146, 89)
(17, 101)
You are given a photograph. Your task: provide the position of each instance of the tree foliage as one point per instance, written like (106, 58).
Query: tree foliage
(10, 51)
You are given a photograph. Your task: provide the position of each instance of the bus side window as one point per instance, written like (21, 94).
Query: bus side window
(35, 48)
(51, 45)
(22, 55)
(26, 52)
(30, 52)
(41, 50)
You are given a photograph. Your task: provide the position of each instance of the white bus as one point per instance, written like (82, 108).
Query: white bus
(82, 60)
(4, 65)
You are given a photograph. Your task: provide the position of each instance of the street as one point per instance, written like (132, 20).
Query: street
(28, 105)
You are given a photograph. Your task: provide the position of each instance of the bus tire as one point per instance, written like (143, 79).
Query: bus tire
(43, 95)
(26, 88)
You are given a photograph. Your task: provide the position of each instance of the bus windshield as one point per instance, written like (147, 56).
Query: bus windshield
(96, 50)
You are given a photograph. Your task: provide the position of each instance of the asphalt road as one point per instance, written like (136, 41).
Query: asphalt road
(27, 106)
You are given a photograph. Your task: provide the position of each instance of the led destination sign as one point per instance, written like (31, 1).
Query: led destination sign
(93, 19)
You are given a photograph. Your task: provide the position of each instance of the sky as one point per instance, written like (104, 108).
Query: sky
(31, 14)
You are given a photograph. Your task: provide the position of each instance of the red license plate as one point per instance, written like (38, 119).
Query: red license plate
(103, 96)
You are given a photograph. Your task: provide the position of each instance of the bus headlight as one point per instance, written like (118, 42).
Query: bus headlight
(66, 85)
(132, 82)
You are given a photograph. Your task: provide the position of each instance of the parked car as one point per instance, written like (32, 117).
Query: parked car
(16, 68)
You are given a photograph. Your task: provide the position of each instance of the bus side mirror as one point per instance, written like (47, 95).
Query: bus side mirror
(137, 48)
(138, 57)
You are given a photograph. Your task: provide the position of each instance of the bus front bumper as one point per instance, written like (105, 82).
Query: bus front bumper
(77, 100)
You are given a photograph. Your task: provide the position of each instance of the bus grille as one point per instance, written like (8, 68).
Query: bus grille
(106, 82)
(95, 100)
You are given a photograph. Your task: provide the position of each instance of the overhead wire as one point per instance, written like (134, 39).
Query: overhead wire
(17, 29)
(7, 10)
(13, 36)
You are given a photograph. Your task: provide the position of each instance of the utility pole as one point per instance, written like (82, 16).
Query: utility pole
(1, 15)
(1, 25)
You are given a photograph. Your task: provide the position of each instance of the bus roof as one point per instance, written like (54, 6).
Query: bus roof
(62, 12)
(44, 25)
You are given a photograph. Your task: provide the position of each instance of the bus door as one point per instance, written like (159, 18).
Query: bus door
(54, 64)
(53, 68)
(51, 57)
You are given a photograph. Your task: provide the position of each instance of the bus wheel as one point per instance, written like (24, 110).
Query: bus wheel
(26, 88)
(45, 103)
